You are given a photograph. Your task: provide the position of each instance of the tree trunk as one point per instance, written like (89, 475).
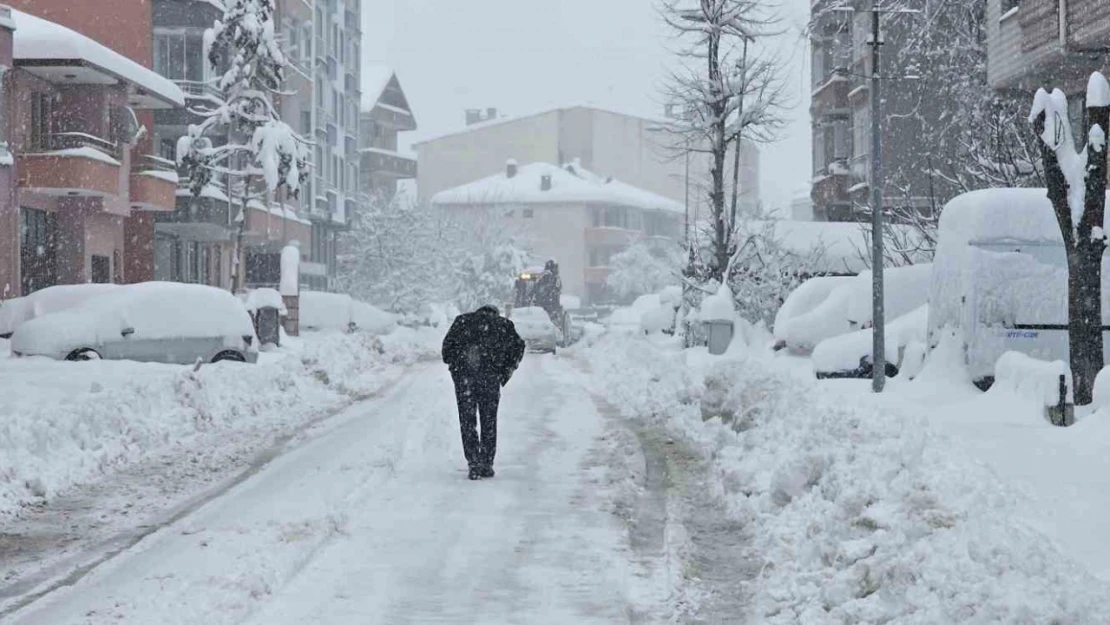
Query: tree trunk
(1085, 274)
(1085, 317)
(1085, 246)
(717, 107)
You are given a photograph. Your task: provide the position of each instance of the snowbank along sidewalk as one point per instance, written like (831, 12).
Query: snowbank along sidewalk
(857, 514)
(71, 423)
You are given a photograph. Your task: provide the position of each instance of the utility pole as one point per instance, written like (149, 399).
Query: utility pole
(878, 355)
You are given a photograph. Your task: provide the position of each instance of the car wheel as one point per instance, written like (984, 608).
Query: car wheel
(229, 356)
(84, 354)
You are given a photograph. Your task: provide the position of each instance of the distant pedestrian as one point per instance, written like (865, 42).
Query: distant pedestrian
(482, 349)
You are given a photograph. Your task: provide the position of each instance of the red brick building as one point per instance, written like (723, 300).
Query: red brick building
(78, 182)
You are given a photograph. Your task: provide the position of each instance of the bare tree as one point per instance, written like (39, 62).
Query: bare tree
(730, 89)
(1077, 189)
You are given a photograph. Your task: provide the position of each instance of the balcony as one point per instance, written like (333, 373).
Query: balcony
(71, 164)
(832, 97)
(1026, 49)
(388, 163)
(831, 185)
(153, 184)
(199, 90)
(610, 236)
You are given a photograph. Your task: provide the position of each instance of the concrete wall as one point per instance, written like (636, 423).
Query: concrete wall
(468, 156)
(122, 25)
(555, 231)
(1004, 61)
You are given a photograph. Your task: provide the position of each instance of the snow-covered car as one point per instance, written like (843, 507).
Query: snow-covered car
(150, 322)
(850, 355)
(340, 312)
(19, 310)
(536, 328)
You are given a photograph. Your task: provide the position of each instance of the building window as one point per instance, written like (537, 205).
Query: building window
(320, 91)
(179, 55)
(36, 250)
(101, 269)
(528, 213)
(41, 109)
(306, 43)
(1009, 5)
(319, 26)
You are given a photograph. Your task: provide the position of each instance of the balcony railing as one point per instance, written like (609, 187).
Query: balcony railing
(199, 88)
(76, 140)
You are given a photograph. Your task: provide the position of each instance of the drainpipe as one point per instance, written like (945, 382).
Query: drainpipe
(1064, 26)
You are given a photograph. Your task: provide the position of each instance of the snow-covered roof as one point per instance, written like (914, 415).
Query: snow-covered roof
(375, 78)
(569, 184)
(38, 41)
(1001, 215)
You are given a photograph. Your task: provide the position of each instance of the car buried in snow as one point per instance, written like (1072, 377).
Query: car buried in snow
(534, 325)
(161, 322)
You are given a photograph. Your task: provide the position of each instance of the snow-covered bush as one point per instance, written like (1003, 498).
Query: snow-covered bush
(645, 267)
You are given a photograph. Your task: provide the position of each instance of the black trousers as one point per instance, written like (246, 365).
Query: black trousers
(478, 394)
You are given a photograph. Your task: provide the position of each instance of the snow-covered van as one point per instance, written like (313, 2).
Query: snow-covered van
(999, 279)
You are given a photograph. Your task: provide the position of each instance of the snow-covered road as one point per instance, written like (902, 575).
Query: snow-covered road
(372, 520)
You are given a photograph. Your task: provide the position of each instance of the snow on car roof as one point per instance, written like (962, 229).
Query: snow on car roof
(155, 310)
(15, 312)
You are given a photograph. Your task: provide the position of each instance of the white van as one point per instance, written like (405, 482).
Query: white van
(1000, 279)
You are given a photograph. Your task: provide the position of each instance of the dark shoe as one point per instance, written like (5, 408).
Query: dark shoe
(475, 473)
(486, 471)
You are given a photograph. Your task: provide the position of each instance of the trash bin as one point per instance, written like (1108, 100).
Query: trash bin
(719, 333)
(267, 324)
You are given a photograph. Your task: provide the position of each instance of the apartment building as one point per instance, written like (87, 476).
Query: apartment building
(1047, 43)
(321, 42)
(569, 214)
(79, 185)
(628, 148)
(385, 113)
(840, 112)
(337, 50)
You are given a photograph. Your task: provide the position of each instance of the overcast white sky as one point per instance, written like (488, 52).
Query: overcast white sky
(523, 56)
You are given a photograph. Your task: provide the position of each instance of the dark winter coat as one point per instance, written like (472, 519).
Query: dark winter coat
(483, 343)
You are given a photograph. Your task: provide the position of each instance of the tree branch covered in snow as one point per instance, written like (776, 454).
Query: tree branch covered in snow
(645, 267)
(400, 255)
(242, 136)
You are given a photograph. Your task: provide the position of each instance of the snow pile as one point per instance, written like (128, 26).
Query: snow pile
(662, 318)
(1102, 389)
(290, 270)
(263, 298)
(843, 353)
(855, 514)
(1036, 380)
(68, 423)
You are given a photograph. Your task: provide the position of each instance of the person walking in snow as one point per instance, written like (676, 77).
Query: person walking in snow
(482, 349)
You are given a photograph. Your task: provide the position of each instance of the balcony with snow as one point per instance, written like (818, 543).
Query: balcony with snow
(73, 116)
(153, 183)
